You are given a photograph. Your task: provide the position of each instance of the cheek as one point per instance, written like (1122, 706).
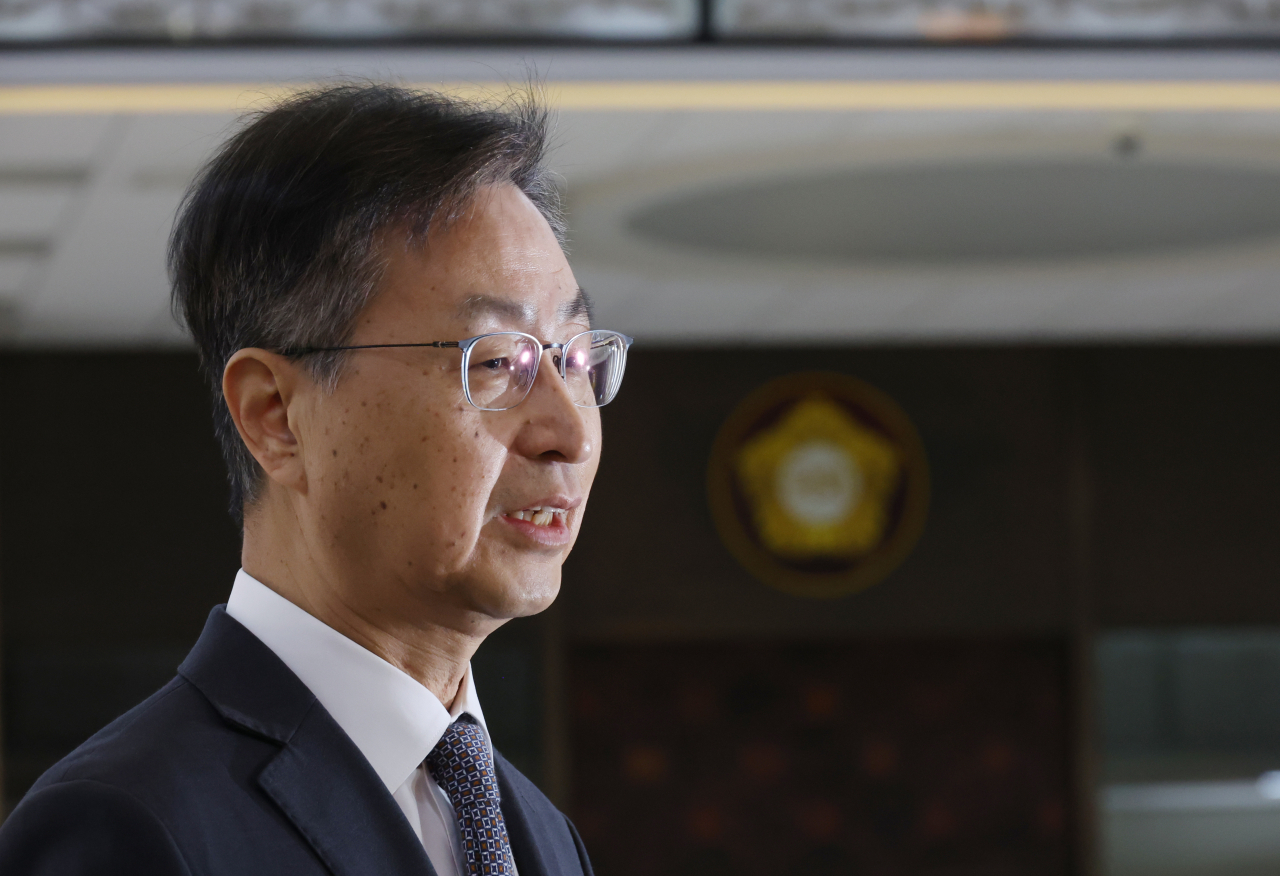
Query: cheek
(597, 441)
(444, 477)
(454, 470)
(338, 453)
(410, 474)
(379, 454)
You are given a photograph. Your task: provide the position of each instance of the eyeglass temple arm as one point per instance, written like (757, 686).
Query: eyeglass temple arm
(304, 351)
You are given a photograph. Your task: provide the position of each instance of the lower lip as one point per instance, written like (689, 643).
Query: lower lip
(554, 534)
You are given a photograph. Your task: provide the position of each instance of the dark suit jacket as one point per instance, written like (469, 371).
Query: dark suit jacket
(234, 768)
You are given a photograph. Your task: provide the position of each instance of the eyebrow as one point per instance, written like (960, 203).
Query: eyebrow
(580, 306)
(488, 305)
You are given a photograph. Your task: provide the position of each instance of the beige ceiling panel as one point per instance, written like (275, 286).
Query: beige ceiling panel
(166, 150)
(108, 275)
(674, 309)
(591, 145)
(15, 271)
(50, 141)
(29, 214)
(887, 306)
(104, 281)
(163, 330)
(699, 135)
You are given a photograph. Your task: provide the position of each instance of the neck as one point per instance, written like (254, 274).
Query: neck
(427, 640)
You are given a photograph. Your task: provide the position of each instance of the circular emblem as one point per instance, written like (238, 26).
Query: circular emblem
(818, 484)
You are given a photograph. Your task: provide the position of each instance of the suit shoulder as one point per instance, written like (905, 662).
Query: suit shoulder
(81, 827)
(154, 749)
(128, 736)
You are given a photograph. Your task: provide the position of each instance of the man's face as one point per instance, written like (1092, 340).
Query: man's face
(412, 492)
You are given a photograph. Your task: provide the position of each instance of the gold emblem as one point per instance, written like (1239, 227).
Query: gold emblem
(818, 484)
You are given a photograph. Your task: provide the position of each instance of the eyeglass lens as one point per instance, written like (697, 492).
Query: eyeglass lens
(501, 368)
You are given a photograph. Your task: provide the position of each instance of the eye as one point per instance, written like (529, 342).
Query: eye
(496, 364)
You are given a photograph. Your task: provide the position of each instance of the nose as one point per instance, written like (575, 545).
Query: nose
(554, 427)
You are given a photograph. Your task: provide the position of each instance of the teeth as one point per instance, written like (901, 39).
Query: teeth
(540, 516)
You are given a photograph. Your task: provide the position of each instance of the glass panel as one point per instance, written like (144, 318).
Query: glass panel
(37, 20)
(45, 20)
(960, 19)
(1190, 730)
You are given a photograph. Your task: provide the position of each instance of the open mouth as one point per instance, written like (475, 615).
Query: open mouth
(541, 515)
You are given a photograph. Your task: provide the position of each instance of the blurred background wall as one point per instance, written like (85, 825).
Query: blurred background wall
(1049, 230)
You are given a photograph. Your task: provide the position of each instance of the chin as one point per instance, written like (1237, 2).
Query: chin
(517, 597)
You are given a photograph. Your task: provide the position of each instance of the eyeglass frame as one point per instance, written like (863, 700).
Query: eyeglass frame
(465, 346)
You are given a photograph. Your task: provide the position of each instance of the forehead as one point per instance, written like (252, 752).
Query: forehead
(499, 263)
(479, 307)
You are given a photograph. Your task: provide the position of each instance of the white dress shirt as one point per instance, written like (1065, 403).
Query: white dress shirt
(392, 719)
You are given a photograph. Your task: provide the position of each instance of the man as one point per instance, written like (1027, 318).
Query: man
(407, 389)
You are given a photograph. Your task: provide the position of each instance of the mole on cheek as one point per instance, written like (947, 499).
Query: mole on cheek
(384, 505)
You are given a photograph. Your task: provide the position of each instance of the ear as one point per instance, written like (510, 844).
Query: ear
(259, 387)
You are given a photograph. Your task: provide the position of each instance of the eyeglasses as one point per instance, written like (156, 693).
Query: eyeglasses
(498, 369)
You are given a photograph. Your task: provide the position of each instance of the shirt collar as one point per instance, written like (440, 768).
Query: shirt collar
(391, 718)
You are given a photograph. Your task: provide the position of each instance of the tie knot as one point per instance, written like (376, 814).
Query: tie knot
(462, 765)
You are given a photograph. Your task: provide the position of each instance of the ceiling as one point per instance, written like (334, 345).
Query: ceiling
(694, 223)
(965, 212)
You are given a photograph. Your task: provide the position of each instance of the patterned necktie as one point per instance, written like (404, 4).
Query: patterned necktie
(462, 765)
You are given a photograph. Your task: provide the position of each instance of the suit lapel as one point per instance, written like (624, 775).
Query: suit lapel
(319, 779)
(334, 798)
(532, 843)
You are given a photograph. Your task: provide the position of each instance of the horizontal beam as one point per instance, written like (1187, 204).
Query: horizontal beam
(740, 96)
